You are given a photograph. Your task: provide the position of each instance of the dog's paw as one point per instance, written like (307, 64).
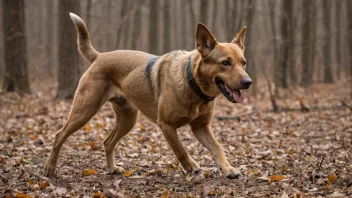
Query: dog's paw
(191, 166)
(231, 172)
(116, 170)
(49, 170)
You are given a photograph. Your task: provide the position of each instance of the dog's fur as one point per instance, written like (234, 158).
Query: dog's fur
(162, 93)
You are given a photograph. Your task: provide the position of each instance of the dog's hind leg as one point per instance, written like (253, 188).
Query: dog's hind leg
(86, 103)
(126, 117)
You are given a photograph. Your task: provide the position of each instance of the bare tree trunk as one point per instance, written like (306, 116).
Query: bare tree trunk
(16, 76)
(2, 58)
(89, 12)
(328, 78)
(292, 67)
(214, 17)
(308, 43)
(154, 27)
(49, 37)
(338, 50)
(137, 24)
(204, 10)
(167, 28)
(126, 27)
(192, 19)
(349, 17)
(108, 38)
(183, 17)
(251, 68)
(69, 69)
(286, 42)
(276, 66)
(232, 26)
(123, 12)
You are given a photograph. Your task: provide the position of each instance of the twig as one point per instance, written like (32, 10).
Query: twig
(345, 105)
(234, 117)
(40, 177)
(320, 164)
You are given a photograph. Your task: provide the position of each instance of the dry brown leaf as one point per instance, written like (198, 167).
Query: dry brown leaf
(98, 195)
(141, 127)
(87, 128)
(22, 195)
(93, 145)
(2, 160)
(206, 174)
(87, 172)
(128, 173)
(30, 182)
(275, 178)
(165, 194)
(147, 173)
(43, 184)
(332, 178)
(7, 195)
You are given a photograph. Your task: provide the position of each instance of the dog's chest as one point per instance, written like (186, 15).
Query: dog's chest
(192, 113)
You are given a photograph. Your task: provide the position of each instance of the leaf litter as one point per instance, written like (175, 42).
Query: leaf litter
(284, 154)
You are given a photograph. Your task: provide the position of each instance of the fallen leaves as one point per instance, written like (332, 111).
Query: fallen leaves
(272, 150)
(43, 184)
(276, 178)
(128, 173)
(87, 172)
(332, 178)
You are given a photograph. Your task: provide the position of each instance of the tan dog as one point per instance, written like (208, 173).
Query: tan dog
(172, 90)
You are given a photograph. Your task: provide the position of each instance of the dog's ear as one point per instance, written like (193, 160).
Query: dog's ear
(205, 40)
(239, 38)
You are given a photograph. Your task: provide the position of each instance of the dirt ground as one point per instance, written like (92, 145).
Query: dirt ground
(285, 154)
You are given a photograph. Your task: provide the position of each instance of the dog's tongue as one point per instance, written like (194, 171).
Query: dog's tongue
(237, 95)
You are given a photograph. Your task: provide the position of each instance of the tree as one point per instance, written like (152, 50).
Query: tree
(349, 16)
(69, 70)
(119, 37)
(292, 24)
(16, 76)
(328, 78)
(192, 19)
(338, 51)
(285, 44)
(136, 23)
(167, 28)
(154, 27)
(204, 10)
(308, 42)
(49, 37)
(251, 9)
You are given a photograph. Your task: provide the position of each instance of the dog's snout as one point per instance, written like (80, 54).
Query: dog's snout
(246, 82)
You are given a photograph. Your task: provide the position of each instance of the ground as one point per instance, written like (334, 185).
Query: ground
(286, 154)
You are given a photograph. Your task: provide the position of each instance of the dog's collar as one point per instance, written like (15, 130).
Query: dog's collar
(193, 84)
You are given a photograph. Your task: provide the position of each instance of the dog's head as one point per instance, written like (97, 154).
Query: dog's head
(223, 64)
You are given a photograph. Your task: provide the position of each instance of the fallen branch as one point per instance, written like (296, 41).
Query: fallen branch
(234, 117)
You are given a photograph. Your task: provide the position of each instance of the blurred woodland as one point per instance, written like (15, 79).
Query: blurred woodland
(292, 136)
(291, 43)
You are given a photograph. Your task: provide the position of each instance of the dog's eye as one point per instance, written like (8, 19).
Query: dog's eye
(244, 62)
(226, 63)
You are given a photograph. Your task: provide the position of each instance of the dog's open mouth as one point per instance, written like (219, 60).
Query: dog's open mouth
(233, 95)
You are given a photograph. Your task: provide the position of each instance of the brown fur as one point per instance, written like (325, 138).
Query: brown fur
(120, 78)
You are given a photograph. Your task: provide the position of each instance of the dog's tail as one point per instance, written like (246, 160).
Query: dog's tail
(84, 45)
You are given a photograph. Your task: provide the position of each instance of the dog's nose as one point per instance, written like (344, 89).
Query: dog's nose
(246, 82)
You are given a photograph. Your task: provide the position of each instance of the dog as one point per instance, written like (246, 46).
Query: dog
(171, 90)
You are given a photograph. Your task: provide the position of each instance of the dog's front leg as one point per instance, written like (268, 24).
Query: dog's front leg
(206, 137)
(186, 160)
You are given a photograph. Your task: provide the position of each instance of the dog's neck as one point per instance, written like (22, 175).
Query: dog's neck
(194, 84)
(207, 87)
